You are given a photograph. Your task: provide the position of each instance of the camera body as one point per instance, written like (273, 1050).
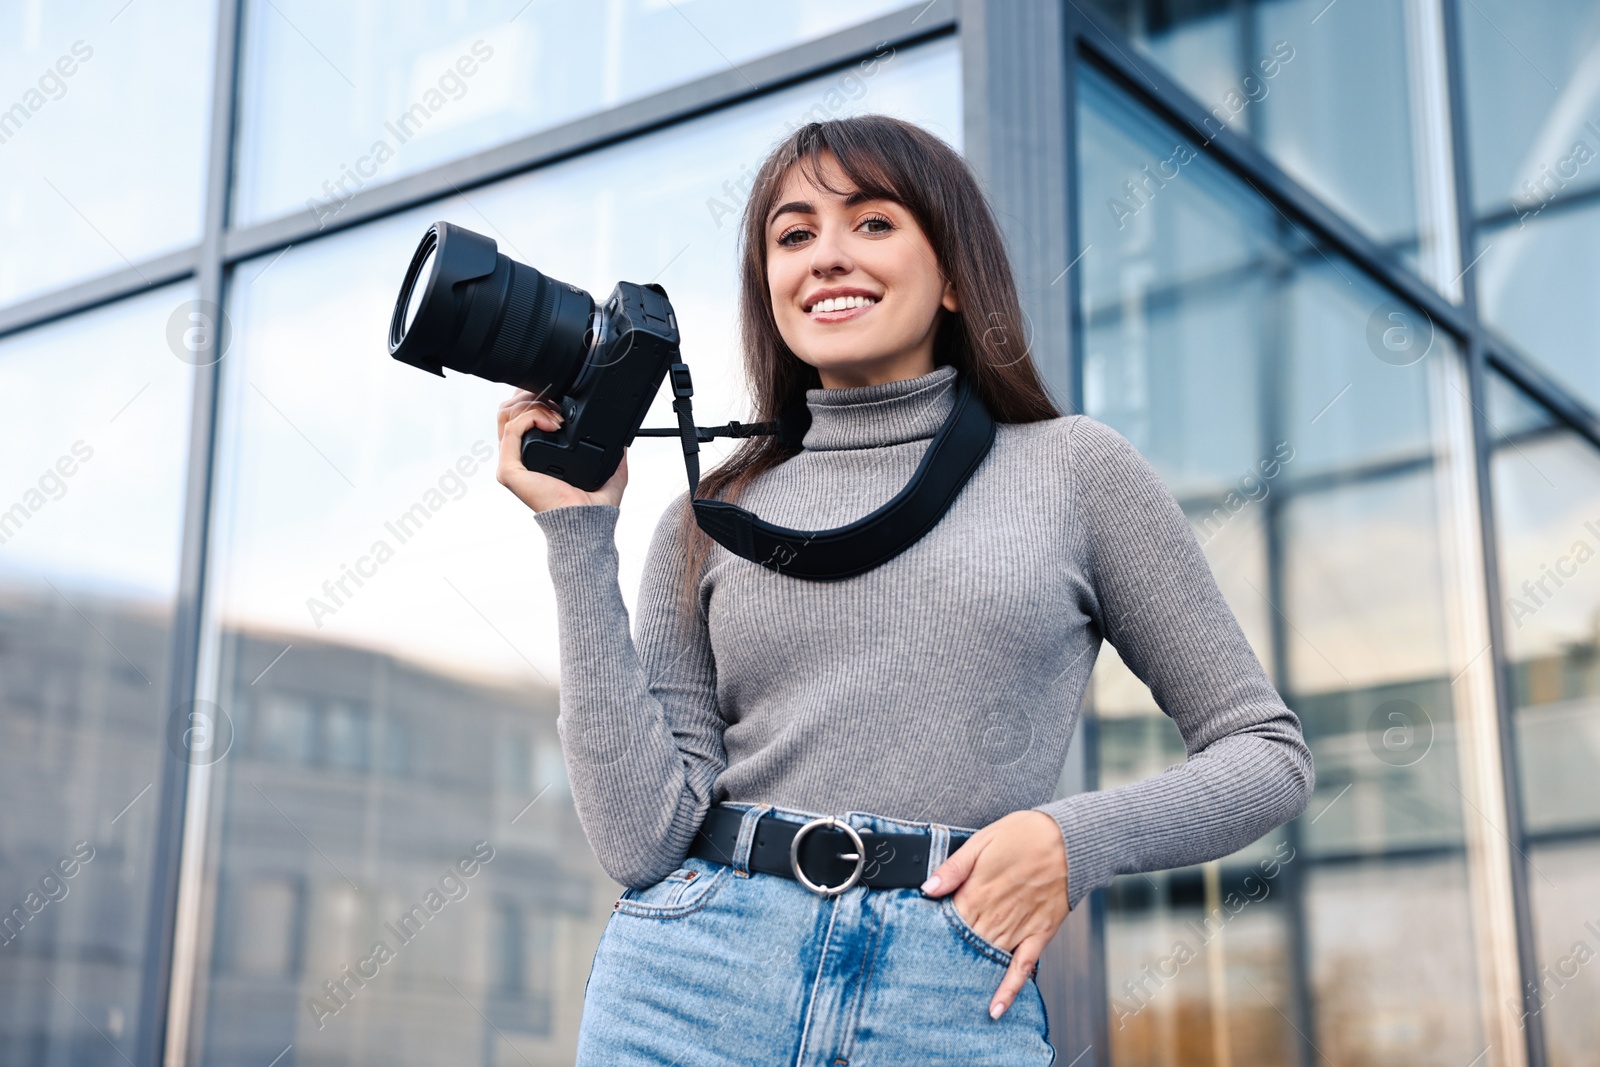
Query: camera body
(635, 342)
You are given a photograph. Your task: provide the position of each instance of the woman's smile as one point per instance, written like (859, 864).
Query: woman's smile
(839, 305)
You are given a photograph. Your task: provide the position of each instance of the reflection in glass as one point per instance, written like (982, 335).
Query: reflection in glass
(102, 134)
(1533, 111)
(1325, 89)
(1533, 98)
(339, 97)
(386, 632)
(94, 417)
(1536, 286)
(1290, 405)
(1547, 506)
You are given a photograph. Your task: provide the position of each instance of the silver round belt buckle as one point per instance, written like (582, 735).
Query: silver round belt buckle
(859, 855)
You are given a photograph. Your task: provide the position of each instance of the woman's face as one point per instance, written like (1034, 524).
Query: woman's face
(856, 288)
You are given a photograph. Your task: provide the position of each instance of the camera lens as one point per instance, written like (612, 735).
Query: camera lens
(466, 306)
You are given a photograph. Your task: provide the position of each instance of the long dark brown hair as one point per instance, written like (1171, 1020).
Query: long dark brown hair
(889, 159)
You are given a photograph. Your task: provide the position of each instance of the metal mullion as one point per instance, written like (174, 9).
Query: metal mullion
(1170, 101)
(1092, 1025)
(1246, 40)
(1477, 390)
(167, 954)
(1510, 771)
(1561, 203)
(1576, 834)
(1476, 707)
(1076, 323)
(1273, 399)
(98, 291)
(906, 27)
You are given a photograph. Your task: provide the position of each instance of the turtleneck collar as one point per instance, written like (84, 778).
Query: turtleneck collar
(889, 413)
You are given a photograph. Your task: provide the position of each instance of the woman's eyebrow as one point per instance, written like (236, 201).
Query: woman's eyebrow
(805, 207)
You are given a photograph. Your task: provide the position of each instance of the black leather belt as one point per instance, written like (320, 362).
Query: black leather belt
(826, 855)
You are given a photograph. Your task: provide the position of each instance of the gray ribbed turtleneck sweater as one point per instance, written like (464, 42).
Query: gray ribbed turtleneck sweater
(943, 686)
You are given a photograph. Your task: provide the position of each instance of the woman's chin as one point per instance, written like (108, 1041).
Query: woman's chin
(843, 370)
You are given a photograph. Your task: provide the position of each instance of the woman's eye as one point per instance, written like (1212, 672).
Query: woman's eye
(880, 220)
(783, 239)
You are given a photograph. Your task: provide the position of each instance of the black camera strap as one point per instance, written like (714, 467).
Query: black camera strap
(845, 551)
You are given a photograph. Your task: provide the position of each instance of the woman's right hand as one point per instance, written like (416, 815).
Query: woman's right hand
(524, 411)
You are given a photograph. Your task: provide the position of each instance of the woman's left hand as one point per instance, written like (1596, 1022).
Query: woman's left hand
(1012, 882)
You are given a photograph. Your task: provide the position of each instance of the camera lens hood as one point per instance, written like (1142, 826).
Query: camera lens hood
(447, 256)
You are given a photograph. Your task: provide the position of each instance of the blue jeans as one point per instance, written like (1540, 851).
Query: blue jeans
(716, 964)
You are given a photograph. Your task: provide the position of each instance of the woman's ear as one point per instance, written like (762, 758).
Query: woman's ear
(948, 300)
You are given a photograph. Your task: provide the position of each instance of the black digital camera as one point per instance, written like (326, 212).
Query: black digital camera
(467, 306)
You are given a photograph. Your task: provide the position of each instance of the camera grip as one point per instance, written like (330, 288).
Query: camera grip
(584, 465)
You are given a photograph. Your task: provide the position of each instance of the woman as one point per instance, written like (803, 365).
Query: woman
(927, 704)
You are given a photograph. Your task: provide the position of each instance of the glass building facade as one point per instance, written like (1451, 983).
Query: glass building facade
(278, 658)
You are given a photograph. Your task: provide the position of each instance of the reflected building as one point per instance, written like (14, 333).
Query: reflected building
(354, 783)
(357, 785)
(76, 698)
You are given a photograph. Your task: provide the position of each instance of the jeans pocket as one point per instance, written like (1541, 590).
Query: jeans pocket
(683, 892)
(971, 937)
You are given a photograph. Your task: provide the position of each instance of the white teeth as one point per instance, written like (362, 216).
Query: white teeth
(839, 303)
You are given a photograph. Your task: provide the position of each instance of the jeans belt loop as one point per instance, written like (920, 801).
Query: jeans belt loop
(938, 846)
(747, 837)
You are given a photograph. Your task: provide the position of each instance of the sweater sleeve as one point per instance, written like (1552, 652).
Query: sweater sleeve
(639, 724)
(1153, 596)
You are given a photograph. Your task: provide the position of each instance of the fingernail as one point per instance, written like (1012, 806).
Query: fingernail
(931, 885)
(995, 1009)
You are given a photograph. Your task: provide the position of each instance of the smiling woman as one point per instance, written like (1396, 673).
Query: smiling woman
(930, 699)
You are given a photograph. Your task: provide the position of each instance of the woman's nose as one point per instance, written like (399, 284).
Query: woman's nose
(828, 255)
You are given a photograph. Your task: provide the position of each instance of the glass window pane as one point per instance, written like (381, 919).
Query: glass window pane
(338, 97)
(1533, 112)
(83, 87)
(391, 723)
(1547, 511)
(94, 416)
(1325, 89)
(1533, 101)
(1291, 406)
(1536, 286)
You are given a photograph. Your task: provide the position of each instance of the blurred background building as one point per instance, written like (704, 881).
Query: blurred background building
(276, 652)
